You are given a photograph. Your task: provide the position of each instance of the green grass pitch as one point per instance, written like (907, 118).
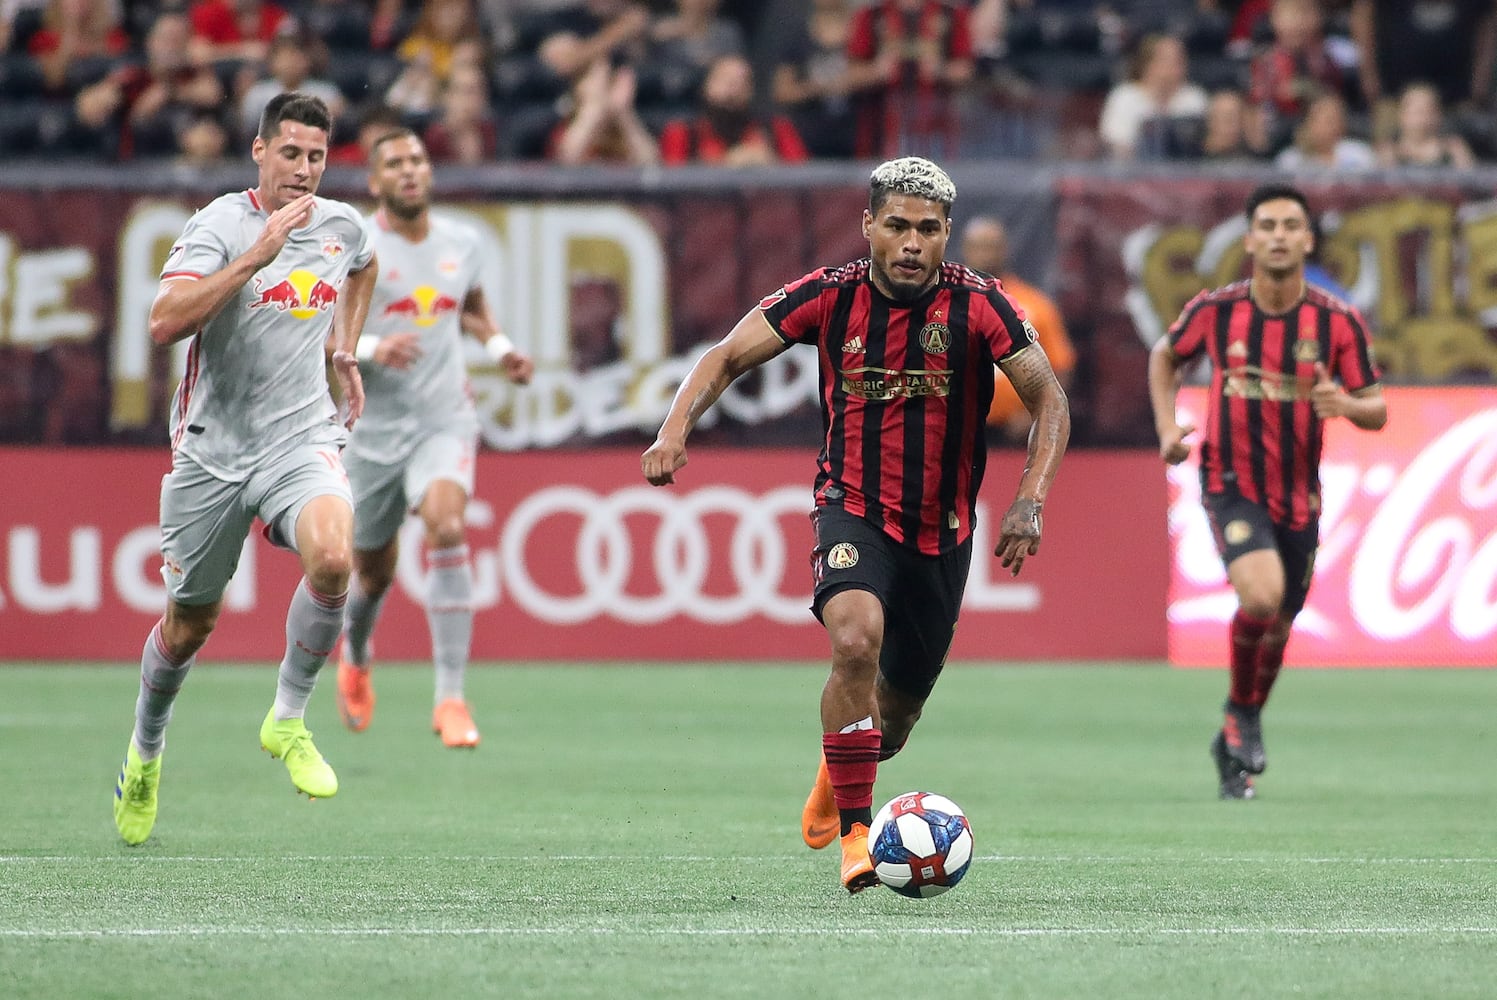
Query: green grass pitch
(632, 831)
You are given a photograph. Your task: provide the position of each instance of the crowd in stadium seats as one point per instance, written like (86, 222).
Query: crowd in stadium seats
(1305, 84)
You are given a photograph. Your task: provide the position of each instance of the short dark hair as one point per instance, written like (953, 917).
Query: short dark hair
(1273, 192)
(395, 132)
(294, 106)
(379, 113)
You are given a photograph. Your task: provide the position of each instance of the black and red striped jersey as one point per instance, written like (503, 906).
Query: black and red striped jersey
(905, 390)
(1262, 435)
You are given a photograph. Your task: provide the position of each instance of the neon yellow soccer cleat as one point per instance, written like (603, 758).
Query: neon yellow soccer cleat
(135, 797)
(290, 741)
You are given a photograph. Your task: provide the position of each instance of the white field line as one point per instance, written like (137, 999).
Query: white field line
(736, 932)
(1132, 859)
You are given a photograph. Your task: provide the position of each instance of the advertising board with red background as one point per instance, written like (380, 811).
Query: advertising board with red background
(575, 557)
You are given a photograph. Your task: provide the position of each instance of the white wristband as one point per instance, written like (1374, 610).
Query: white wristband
(367, 345)
(498, 346)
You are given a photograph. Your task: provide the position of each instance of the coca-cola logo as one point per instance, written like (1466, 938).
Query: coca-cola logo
(1429, 552)
(1407, 567)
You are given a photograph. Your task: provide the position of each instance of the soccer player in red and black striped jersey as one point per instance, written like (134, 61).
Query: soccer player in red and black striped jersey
(1285, 358)
(907, 344)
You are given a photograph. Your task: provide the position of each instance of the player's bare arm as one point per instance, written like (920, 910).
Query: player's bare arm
(1366, 408)
(183, 304)
(348, 320)
(748, 345)
(1040, 392)
(478, 322)
(1164, 387)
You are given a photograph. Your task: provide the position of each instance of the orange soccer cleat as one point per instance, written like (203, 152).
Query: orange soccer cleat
(454, 724)
(819, 820)
(857, 866)
(355, 694)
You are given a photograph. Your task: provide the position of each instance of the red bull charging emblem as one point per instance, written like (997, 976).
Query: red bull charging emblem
(302, 294)
(424, 306)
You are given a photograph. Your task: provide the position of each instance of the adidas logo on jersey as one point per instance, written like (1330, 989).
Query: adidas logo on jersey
(853, 346)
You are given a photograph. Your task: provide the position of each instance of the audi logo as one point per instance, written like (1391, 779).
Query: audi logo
(614, 535)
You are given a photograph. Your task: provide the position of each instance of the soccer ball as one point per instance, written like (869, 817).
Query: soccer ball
(921, 844)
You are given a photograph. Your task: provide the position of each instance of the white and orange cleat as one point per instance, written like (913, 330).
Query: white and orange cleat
(452, 721)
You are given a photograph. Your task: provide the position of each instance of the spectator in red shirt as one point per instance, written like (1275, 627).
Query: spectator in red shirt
(726, 131)
(234, 29)
(76, 29)
(464, 131)
(908, 58)
(1296, 69)
(155, 101)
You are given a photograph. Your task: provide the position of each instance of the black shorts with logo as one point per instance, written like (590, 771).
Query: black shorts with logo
(1240, 526)
(921, 594)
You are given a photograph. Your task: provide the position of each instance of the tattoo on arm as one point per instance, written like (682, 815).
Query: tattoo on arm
(1034, 381)
(703, 400)
(1030, 373)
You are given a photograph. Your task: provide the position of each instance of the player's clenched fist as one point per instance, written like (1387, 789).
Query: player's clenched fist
(1172, 445)
(1326, 396)
(660, 462)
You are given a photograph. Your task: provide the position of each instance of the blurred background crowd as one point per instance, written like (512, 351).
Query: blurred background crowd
(1306, 84)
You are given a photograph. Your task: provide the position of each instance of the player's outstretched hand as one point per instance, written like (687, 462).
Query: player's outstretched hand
(517, 367)
(1326, 396)
(1172, 446)
(660, 462)
(398, 350)
(292, 215)
(346, 368)
(1021, 530)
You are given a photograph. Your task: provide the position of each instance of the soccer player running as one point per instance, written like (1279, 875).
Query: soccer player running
(1277, 347)
(414, 448)
(907, 344)
(269, 284)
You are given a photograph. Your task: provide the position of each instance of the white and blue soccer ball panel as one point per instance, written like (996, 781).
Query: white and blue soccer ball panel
(921, 844)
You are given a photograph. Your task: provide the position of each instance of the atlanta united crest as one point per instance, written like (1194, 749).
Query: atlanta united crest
(844, 555)
(1306, 350)
(935, 338)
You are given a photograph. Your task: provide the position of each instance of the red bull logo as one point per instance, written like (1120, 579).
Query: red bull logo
(424, 306)
(302, 294)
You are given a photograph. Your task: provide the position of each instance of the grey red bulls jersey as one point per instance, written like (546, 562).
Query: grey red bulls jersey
(256, 376)
(421, 289)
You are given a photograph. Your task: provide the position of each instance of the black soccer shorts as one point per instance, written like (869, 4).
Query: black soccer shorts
(921, 594)
(1240, 526)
